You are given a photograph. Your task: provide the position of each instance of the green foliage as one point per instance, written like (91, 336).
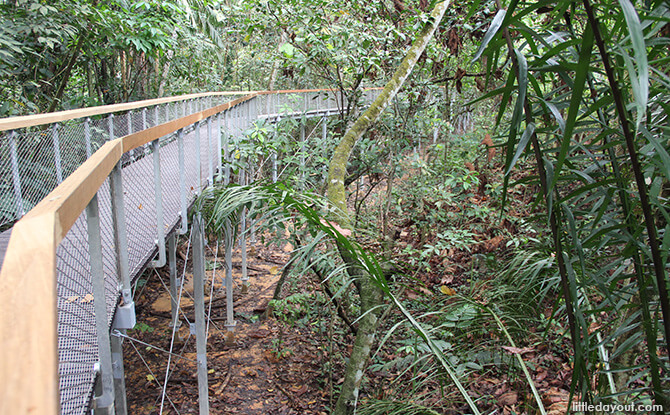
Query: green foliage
(590, 92)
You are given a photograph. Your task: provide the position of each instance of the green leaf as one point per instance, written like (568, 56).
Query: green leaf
(639, 81)
(523, 142)
(287, 49)
(493, 29)
(582, 71)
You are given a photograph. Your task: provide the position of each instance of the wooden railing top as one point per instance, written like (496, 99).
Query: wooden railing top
(24, 121)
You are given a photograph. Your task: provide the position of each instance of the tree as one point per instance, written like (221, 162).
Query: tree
(371, 295)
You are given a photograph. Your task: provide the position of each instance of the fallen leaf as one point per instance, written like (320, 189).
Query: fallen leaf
(447, 279)
(72, 299)
(87, 299)
(518, 350)
(151, 378)
(140, 207)
(509, 398)
(447, 291)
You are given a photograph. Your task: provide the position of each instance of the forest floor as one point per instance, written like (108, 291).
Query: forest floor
(292, 361)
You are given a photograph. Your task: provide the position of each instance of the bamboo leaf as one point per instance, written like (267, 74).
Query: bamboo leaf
(660, 150)
(523, 142)
(493, 29)
(575, 102)
(640, 50)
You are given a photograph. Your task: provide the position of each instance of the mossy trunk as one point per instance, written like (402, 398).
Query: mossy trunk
(338, 163)
(371, 296)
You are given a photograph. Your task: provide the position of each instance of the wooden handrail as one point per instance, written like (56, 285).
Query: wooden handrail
(25, 121)
(28, 310)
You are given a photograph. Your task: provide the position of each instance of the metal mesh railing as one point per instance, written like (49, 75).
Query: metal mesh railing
(34, 160)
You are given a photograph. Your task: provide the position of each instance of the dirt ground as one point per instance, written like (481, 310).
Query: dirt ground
(271, 368)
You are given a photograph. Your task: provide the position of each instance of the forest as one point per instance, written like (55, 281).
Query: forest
(490, 235)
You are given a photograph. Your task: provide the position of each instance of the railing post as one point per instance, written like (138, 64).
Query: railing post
(218, 146)
(175, 282)
(158, 195)
(16, 176)
(182, 183)
(199, 303)
(210, 171)
(57, 159)
(104, 403)
(198, 155)
(226, 150)
(110, 126)
(87, 136)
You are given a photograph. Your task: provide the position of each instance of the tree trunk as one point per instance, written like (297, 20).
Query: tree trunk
(371, 296)
(66, 74)
(338, 163)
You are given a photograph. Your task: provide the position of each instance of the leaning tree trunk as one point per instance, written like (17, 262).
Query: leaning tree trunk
(371, 295)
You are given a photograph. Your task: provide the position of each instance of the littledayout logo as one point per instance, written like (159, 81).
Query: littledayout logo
(614, 408)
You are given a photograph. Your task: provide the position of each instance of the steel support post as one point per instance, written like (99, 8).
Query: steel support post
(118, 372)
(243, 237)
(57, 159)
(210, 171)
(158, 194)
(274, 153)
(125, 315)
(199, 303)
(230, 320)
(16, 177)
(175, 281)
(324, 136)
(248, 105)
(182, 183)
(103, 403)
(87, 136)
(302, 155)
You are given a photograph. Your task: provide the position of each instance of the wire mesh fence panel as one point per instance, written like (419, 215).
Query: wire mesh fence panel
(77, 337)
(140, 212)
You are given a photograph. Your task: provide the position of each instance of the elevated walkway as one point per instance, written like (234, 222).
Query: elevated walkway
(90, 222)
